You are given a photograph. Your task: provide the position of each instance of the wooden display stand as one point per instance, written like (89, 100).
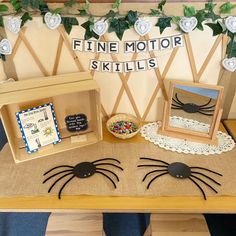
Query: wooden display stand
(70, 94)
(195, 136)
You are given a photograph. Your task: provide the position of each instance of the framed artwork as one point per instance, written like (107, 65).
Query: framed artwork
(38, 127)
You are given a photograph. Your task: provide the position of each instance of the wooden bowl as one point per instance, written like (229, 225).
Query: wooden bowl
(123, 117)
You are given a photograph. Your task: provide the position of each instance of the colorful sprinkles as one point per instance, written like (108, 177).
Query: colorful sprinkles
(123, 127)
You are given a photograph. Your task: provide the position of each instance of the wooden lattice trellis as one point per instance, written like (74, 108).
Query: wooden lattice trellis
(124, 77)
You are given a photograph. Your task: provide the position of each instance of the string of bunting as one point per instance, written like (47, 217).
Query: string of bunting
(113, 21)
(129, 47)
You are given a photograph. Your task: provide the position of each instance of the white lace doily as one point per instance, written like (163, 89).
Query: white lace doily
(149, 132)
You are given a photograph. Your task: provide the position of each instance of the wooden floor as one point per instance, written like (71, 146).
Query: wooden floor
(76, 224)
(178, 225)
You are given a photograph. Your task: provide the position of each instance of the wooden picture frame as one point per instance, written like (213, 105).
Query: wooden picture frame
(69, 93)
(209, 138)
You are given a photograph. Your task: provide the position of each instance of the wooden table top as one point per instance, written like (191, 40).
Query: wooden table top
(216, 204)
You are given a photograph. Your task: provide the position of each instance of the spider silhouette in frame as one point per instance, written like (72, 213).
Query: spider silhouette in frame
(192, 107)
(84, 170)
(180, 170)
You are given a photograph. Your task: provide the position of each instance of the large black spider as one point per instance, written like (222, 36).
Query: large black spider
(83, 170)
(181, 171)
(192, 107)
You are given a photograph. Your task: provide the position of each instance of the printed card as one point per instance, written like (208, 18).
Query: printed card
(38, 127)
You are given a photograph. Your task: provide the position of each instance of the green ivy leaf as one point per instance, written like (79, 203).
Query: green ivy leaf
(70, 3)
(44, 8)
(227, 7)
(1, 22)
(87, 4)
(34, 4)
(161, 5)
(176, 19)
(116, 4)
(209, 6)
(56, 11)
(132, 17)
(68, 22)
(3, 7)
(110, 14)
(212, 15)
(82, 12)
(25, 17)
(154, 12)
(230, 35)
(163, 22)
(88, 26)
(216, 27)
(118, 25)
(16, 5)
(189, 11)
(200, 18)
(231, 49)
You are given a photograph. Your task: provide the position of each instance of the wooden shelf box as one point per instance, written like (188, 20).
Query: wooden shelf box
(70, 94)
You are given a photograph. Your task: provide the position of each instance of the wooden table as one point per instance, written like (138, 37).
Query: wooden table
(220, 204)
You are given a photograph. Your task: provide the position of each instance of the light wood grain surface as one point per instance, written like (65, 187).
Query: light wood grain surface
(74, 224)
(178, 225)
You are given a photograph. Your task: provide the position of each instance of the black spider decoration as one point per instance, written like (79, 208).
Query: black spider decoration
(181, 171)
(84, 170)
(192, 107)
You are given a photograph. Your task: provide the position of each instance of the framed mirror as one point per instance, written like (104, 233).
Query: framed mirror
(193, 111)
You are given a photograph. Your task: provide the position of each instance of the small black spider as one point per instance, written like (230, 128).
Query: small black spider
(83, 170)
(192, 107)
(181, 171)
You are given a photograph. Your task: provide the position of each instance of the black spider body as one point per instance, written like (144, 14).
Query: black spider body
(181, 171)
(192, 107)
(84, 170)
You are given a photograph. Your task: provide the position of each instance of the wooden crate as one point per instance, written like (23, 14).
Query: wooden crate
(70, 94)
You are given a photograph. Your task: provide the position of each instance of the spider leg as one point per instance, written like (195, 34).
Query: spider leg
(205, 113)
(109, 164)
(204, 195)
(56, 168)
(107, 177)
(178, 103)
(109, 172)
(206, 103)
(208, 177)
(176, 96)
(175, 105)
(55, 175)
(151, 166)
(204, 183)
(106, 159)
(150, 182)
(151, 159)
(149, 173)
(176, 108)
(202, 168)
(49, 190)
(203, 108)
(64, 185)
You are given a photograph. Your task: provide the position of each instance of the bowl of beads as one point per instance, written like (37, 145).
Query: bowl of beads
(123, 126)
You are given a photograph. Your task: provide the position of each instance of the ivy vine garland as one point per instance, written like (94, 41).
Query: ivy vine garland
(24, 10)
